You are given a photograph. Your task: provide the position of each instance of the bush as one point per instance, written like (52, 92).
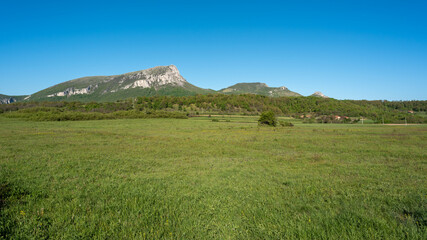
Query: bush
(286, 124)
(215, 120)
(268, 118)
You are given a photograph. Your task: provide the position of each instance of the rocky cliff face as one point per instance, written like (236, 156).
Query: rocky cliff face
(7, 100)
(74, 91)
(153, 77)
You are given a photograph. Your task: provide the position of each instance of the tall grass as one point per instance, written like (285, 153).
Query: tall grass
(198, 179)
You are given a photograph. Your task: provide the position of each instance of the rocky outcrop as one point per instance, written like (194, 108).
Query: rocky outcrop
(73, 91)
(319, 94)
(7, 100)
(153, 77)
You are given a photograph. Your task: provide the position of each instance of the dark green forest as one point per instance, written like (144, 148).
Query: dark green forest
(311, 109)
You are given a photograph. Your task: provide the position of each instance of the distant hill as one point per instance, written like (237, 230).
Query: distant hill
(260, 89)
(5, 99)
(162, 80)
(319, 94)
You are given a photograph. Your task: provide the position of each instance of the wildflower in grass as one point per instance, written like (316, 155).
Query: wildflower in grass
(22, 213)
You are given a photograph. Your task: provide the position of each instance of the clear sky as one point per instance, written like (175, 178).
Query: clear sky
(345, 49)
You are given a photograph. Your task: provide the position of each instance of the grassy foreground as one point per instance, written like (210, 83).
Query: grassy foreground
(194, 178)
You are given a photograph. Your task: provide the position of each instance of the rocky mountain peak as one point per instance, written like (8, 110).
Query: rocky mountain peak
(174, 69)
(153, 77)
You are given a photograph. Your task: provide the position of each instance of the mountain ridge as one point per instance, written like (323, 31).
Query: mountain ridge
(260, 89)
(155, 81)
(161, 80)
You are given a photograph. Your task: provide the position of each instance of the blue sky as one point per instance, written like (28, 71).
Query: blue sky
(346, 49)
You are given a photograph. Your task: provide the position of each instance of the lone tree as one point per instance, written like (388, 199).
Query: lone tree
(268, 118)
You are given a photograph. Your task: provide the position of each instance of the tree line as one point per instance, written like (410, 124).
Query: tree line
(248, 104)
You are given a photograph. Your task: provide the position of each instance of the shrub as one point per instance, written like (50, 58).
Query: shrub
(286, 124)
(268, 118)
(215, 120)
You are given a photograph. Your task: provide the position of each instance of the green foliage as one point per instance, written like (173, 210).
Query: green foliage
(268, 118)
(286, 124)
(79, 116)
(313, 109)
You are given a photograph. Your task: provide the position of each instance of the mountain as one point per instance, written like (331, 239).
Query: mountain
(5, 99)
(157, 81)
(259, 88)
(319, 94)
(162, 80)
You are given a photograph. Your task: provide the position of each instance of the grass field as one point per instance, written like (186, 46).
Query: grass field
(199, 179)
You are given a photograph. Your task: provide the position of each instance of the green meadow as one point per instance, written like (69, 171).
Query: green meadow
(201, 179)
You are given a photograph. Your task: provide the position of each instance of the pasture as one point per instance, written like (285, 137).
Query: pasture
(199, 179)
